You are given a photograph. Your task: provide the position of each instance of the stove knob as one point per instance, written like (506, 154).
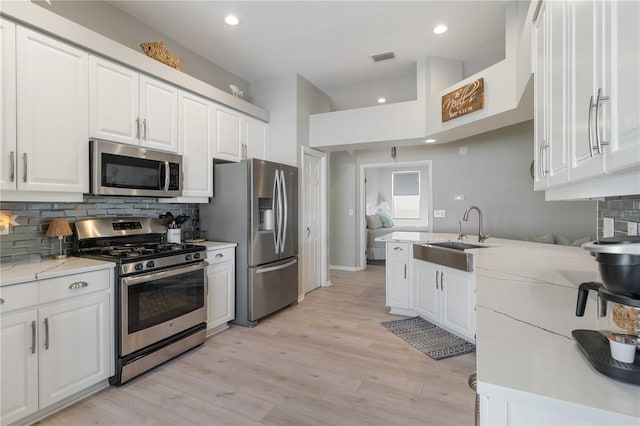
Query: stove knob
(138, 267)
(196, 256)
(151, 264)
(187, 257)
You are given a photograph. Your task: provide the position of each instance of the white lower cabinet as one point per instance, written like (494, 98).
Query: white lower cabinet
(446, 296)
(221, 276)
(56, 341)
(397, 278)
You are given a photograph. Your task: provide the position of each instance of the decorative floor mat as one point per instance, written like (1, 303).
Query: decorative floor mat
(429, 338)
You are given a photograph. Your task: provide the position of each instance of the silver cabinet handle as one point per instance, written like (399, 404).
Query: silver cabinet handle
(405, 271)
(219, 256)
(308, 232)
(46, 333)
(24, 158)
(441, 281)
(599, 100)
(33, 337)
(437, 274)
(541, 155)
(12, 160)
(144, 127)
(138, 128)
(591, 105)
(79, 284)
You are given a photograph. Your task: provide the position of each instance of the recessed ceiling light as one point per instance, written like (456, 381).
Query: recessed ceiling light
(439, 29)
(429, 140)
(382, 100)
(231, 20)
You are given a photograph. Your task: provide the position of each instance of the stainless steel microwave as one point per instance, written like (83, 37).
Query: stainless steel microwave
(118, 169)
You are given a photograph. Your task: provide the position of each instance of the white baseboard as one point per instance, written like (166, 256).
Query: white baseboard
(326, 284)
(343, 268)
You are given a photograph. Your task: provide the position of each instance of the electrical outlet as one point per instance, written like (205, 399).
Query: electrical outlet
(607, 227)
(350, 212)
(4, 229)
(438, 213)
(632, 228)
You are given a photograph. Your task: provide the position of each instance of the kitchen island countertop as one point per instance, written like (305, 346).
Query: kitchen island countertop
(526, 299)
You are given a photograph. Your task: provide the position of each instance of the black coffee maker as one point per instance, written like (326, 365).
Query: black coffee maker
(618, 305)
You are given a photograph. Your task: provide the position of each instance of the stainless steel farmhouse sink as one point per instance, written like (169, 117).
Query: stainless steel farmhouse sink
(446, 253)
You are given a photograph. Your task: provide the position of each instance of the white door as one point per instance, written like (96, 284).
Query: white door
(458, 302)
(397, 283)
(113, 102)
(19, 366)
(8, 106)
(255, 136)
(159, 114)
(427, 282)
(227, 144)
(221, 299)
(74, 346)
(624, 86)
(195, 119)
(53, 119)
(311, 256)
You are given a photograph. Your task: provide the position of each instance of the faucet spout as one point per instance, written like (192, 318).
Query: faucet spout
(465, 217)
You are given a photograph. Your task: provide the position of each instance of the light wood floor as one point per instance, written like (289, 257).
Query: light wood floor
(326, 361)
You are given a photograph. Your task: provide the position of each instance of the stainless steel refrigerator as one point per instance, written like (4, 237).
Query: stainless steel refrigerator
(255, 205)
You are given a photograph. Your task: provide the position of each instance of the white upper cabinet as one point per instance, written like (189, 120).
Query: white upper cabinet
(255, 138)
(195, 124)
(52, 121)
(113, 95)
(133, 108)
(587, 98)
(228, 140)
(8, 105)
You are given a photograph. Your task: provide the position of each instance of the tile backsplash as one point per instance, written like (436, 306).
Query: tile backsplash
(623, 210)
(28, 239)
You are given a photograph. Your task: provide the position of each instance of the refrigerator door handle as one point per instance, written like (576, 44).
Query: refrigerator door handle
(276, 230)
(283, 237)
(276, 268)
(279, 215)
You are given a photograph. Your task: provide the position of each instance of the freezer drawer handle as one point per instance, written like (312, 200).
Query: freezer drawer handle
(276, 268)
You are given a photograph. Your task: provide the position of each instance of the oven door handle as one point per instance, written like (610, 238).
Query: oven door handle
(139, 279)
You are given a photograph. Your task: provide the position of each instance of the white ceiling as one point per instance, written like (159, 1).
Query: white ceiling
(329, 42)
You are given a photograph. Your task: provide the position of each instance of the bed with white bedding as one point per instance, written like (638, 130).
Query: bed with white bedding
(378, 225)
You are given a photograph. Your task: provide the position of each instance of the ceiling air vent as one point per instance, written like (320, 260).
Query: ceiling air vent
(382, 56)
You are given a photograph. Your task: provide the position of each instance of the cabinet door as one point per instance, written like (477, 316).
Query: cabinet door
(77, 355)
(195, 116)
(8, 105)
(397, 282)
(221, 299)
(113, 102)
(255, 136)
(584, 41)
(159, 114)
(53, 123)
(623, 88)
(427, 282)
(227, 144)
(19, 366)
(540, 98)
(458, 302)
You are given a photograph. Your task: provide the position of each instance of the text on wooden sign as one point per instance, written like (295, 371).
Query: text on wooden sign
(462, 101)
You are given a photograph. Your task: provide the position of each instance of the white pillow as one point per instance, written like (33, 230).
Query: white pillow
(373, 222)
(546, 238)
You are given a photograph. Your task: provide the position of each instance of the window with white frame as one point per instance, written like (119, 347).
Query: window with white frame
(405, 195)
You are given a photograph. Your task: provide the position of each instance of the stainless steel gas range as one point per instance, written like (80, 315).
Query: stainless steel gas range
(161, 289)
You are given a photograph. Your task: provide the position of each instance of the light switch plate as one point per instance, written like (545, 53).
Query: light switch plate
(438, 213)
(607, 227)
(632, 228)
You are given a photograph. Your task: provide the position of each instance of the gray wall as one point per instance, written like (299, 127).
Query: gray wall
(342, 198)
(111, 22)
(494, 175)
(29, 240)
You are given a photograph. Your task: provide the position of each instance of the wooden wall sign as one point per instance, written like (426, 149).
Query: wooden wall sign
(464, 100)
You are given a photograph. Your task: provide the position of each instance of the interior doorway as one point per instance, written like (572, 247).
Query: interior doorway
(383, 202)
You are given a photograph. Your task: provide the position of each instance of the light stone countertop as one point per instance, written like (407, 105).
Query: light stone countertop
(21, 272)
(214, 245)
(526, 299)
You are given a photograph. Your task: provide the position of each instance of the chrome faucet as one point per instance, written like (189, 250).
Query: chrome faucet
(465, 217)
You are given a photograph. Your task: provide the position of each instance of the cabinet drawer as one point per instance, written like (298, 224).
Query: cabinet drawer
(220, 255)
(73, 285)
(18, 296)
(399, 249)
